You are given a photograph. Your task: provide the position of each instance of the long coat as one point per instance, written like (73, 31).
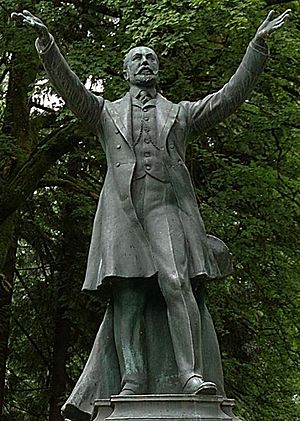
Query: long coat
(119, 246)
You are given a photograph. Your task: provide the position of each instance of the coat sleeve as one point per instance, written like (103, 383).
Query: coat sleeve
(214, 108)
(78, 99)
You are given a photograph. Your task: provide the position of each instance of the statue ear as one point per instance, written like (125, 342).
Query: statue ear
(125, 74)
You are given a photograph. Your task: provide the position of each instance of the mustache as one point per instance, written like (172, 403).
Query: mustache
(141, 69)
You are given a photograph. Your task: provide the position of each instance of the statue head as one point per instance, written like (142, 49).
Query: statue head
(141, 67)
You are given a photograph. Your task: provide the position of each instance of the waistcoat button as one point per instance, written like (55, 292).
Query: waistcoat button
(118, 146)
(117, 164)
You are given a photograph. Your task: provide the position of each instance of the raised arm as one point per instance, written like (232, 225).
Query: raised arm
(83, 103)
(216, 107)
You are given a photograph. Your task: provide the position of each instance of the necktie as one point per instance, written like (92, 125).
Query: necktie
(144, 97)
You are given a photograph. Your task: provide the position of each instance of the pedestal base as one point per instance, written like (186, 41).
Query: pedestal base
(162, 407)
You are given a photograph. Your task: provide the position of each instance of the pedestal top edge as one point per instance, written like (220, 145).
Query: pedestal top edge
(166, 397)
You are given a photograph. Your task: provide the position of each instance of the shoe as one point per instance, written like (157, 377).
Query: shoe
(126, 392)
(196, 385)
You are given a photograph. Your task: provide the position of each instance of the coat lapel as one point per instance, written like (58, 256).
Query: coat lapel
(165, 116)
(120, 112)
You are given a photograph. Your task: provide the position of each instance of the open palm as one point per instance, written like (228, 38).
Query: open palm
(29, 19)
(270, 25)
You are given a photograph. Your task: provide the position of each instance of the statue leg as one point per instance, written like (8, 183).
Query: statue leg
(185, 333)
(185, 330)
(210, 348)
(197, 329)
(157, 210)
(129, 303)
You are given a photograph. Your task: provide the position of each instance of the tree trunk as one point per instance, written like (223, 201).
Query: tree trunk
(68, 264)
(21, 168)
(15, 126)
(61, 343)
(8, 246)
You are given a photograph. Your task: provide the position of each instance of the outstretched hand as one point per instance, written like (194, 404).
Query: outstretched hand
(270, 25)
(29, 19)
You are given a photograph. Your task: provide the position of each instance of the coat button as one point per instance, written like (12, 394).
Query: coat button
(147, 154)
(117, 164)
(118, 146)
(171, 146)
(147, 140)
(148, 167)
(116, 131)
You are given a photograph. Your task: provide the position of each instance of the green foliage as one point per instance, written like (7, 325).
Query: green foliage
(245, 172)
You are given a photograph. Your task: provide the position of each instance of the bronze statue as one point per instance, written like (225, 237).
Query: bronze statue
(148, 230)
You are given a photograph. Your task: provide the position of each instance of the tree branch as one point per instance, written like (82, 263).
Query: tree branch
(27, 178)
(41, 107)
(2, 77)
(33, 343)
(273, 2)
(36, 416)
(70, 183)
(3, 7)
(34, 306)
(99, 8)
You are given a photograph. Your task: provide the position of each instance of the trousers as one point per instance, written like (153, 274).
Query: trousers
(157, 210)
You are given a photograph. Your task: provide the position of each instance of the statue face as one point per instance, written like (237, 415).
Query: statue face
(141, 67)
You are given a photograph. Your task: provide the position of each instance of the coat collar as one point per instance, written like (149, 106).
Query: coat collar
(135, 91)
(120, 112)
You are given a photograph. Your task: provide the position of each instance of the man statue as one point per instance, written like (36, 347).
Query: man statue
(148, 229)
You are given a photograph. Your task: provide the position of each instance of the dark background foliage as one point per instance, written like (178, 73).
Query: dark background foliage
(245, 172)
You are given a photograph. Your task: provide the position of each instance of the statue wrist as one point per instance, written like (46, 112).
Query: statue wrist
(260, 46)
(260, 40)
(43, 43)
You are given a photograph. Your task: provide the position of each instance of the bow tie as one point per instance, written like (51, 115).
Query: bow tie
(144, 97)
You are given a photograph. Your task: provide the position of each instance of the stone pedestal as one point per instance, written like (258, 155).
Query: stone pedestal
(162, 407)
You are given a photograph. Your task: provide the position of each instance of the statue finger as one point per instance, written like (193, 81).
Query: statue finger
(281, 19)
(266, 22)
(270, 16)
(277, 26)
(19, 17)
(14, 16)
(285, 14)
(29, 21)
(27, 13)
(30, 15)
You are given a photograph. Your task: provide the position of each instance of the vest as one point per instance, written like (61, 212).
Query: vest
(144, 135)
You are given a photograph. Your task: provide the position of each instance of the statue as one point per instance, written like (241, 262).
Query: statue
(148, 233)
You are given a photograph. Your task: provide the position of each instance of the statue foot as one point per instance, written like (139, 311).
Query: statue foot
(126, 392)
(196, 385)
